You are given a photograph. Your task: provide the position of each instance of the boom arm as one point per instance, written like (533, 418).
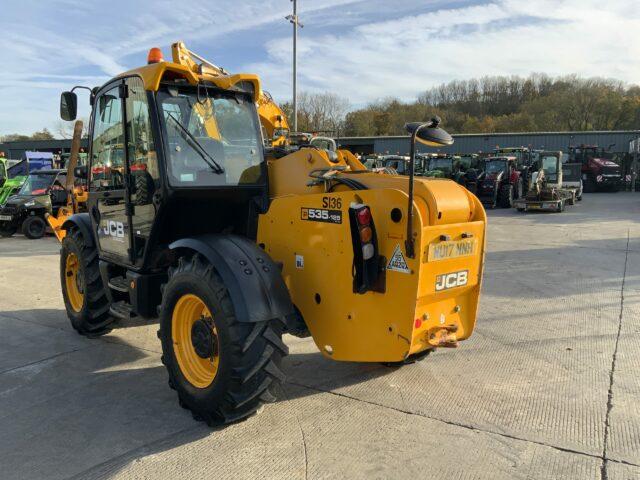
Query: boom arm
(273, 119)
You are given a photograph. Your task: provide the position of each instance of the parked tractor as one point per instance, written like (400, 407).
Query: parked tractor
(439, 165)
(548, 192)
(400, 164)
(598, 173)
(526, 163)
(41, 194)
(239, 244)
(500, 182)
(460, 169)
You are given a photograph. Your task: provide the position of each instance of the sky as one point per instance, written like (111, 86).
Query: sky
(363, 50)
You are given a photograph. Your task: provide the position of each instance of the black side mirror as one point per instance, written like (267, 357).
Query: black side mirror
(68, 106)
(430, 133)
(80, 172)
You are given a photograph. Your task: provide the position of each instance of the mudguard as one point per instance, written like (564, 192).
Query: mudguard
(83, 222)
(255, 284)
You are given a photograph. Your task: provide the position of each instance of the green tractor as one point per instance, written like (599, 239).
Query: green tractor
(439, 165)
(461, 169)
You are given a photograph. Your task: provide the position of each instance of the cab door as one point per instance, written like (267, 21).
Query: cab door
(109, 203)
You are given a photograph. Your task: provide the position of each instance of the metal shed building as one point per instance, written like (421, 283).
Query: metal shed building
(16, 150)
(479, 142)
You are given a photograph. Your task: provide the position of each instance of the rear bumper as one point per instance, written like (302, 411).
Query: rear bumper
(449, 288)
(608, 180)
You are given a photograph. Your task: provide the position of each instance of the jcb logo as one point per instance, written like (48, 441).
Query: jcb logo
(451, 280)
(113, 229)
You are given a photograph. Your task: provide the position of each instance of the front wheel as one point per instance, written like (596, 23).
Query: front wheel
(7, 230)
(34, 227)
(222, 369)
(84, 296)
(589, 184)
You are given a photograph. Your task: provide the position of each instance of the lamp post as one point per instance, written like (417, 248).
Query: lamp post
(295, 21)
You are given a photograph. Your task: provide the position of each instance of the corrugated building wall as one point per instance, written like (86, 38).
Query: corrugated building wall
(474, 143)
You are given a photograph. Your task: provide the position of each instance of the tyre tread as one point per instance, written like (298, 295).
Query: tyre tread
(256, 351)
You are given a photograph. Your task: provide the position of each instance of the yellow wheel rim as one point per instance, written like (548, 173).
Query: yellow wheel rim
(195, 341)
(74, 282)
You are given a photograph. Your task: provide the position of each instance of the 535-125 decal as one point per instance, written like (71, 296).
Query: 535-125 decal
(321, 215)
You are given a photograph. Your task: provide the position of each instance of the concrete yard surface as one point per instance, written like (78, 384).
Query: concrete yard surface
(548, 387)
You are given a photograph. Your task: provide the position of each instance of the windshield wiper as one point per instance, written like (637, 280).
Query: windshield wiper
(206, 156)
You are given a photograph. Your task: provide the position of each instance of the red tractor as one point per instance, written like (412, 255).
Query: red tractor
(598, 173)
(500, 182)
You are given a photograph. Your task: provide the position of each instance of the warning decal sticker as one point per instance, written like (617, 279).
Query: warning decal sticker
(397, 263)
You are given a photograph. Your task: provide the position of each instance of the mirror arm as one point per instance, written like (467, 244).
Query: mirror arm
(409, 243)
(91, 92)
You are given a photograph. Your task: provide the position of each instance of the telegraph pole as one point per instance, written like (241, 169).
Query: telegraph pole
(295, 21)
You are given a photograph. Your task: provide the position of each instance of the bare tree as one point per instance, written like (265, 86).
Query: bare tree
(322, 112)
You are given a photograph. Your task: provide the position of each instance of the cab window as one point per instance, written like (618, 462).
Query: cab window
(107, 165)
(142, 151)
(213, 137)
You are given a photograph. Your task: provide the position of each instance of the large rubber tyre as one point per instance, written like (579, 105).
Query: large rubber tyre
(248, 355)
(416, 357)
(34, 227)
(589, 185)
(90, 315)
(505, 196)
(7, 231)
(143, 188)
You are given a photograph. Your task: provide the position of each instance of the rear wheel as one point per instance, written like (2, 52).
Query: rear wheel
(84, 297)
(34, 227)
(223, 370)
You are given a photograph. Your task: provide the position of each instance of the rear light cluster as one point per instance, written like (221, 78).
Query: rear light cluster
(368, 266)
(363, 215)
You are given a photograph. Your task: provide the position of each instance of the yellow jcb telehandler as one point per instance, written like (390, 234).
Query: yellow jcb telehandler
(233, 244)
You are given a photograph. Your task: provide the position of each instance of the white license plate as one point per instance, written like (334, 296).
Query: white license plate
(5, 218)
(452, 249)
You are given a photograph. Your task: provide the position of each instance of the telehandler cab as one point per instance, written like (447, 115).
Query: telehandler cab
(237, 244)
